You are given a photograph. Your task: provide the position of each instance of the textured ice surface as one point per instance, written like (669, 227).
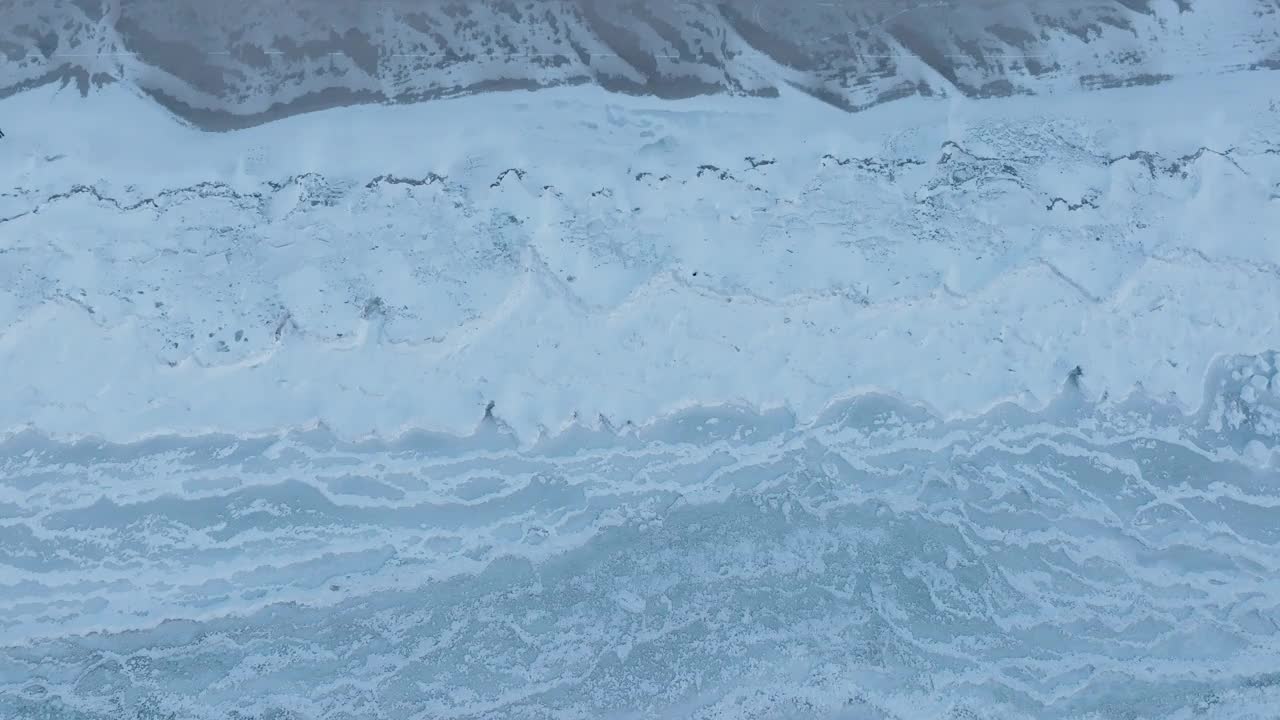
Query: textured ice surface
(1082, 562)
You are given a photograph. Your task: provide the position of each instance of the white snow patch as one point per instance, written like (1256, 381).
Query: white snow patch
(615, 276)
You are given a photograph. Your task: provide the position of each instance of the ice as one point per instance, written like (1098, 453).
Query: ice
(1084, 561)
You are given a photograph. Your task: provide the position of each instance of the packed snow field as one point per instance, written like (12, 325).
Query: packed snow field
(573, 254)
(1082, 561)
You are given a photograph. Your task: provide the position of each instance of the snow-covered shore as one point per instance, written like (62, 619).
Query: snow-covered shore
(570, 254)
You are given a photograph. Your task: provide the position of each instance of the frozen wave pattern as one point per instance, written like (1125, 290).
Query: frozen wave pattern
(1087, 561)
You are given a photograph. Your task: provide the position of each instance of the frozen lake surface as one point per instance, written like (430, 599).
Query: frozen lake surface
(1078, 562)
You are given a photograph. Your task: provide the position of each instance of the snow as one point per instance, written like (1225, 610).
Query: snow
(573, 255)
(733, 407)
